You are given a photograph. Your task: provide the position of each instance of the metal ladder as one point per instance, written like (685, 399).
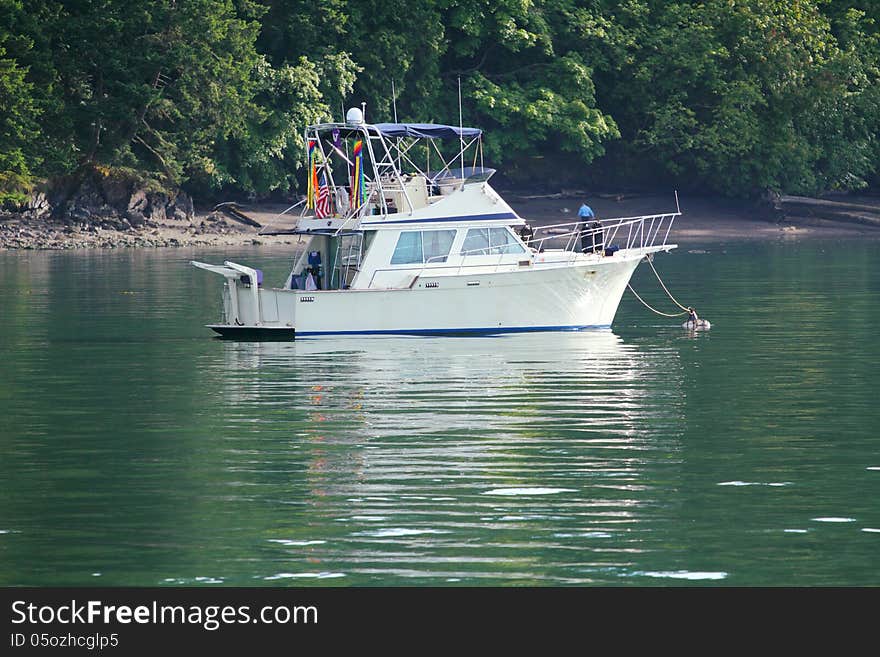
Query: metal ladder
(352, 261)
(388, 177)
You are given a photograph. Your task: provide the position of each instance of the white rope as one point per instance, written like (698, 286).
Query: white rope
(645, 304)
(666, 290)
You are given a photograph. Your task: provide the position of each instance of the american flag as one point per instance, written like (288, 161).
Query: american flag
(322, 207)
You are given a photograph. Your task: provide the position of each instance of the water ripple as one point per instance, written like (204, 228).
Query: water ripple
(137, 447)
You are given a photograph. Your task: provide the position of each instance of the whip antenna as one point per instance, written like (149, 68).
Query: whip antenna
(461, 129)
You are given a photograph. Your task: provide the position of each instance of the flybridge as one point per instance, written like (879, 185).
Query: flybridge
(426, 131)
(375, 167)
(398, 130)
(361, 173)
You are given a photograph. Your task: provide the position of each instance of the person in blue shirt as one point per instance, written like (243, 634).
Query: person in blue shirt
(591, 241)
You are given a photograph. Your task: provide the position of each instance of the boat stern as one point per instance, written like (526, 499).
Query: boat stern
(258, 333)
(249, 311)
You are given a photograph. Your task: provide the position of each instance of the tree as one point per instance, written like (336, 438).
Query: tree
(741, 96)
(19, 108)
(531, 89)
(735, 96)
(267, 155)
(17, 130)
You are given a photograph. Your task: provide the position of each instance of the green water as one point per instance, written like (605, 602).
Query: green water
(135, 449)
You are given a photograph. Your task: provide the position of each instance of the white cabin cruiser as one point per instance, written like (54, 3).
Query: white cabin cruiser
(392, 248)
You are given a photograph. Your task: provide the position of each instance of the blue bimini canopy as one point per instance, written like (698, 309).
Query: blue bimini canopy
(426, 131)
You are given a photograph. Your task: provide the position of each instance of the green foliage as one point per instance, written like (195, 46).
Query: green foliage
(532, 91)
(17, 130)
(525, 117)
(266, 155)
(528, 98)
(748, 95)
(732, 96)
(164, 81)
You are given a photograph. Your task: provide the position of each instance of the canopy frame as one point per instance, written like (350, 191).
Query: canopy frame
(387, 146)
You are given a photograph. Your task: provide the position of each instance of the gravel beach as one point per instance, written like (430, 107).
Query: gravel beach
(703, 219)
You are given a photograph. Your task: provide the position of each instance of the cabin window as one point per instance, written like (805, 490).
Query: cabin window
(408, 249)
(485, 241)
(476, 242)
(415, 246)
(436, 244)
(503, 241)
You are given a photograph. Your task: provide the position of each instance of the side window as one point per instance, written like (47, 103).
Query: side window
(408, 249)
(436, 244)
(503, 241)
(476, 242)
(415, 246)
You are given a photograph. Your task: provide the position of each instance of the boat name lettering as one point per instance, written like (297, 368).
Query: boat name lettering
(306, 299)
(434, 284)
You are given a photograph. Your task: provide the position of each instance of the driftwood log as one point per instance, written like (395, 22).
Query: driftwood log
(232, 211)
(803, 206)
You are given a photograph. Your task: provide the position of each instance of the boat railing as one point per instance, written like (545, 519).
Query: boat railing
(269, 227)
(641, 232)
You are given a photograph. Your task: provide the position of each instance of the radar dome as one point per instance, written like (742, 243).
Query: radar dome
(354, 116)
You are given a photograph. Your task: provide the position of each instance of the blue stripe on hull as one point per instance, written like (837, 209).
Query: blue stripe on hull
(459, 331)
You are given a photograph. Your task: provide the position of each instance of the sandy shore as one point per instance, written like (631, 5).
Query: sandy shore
(704, 219)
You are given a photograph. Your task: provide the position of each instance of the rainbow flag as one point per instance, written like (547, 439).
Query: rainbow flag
(312, 192)
(357, 179)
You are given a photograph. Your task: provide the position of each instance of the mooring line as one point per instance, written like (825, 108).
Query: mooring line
(663, 285)
(645, 303)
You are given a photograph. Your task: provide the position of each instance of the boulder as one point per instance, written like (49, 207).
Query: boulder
(95, 199)
(156, 209)
(184, 203)
(77, 213)
(37, 207)
(137, 201)
(117, 190)
(135, 218)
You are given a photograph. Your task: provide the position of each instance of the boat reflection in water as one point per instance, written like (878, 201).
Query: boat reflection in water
(443, 457)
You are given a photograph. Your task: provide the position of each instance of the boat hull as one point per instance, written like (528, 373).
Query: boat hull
(556, 298)
(259, 333)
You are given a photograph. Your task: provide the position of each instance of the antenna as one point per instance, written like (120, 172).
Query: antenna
(364, 111)
(394, 103)
(677, 208)
(461, 129)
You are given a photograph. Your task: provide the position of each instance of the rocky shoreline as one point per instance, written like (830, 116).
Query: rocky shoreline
(202, 230)
(111, 212)
(99, 208)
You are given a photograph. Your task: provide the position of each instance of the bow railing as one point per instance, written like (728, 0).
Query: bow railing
(642, 232)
